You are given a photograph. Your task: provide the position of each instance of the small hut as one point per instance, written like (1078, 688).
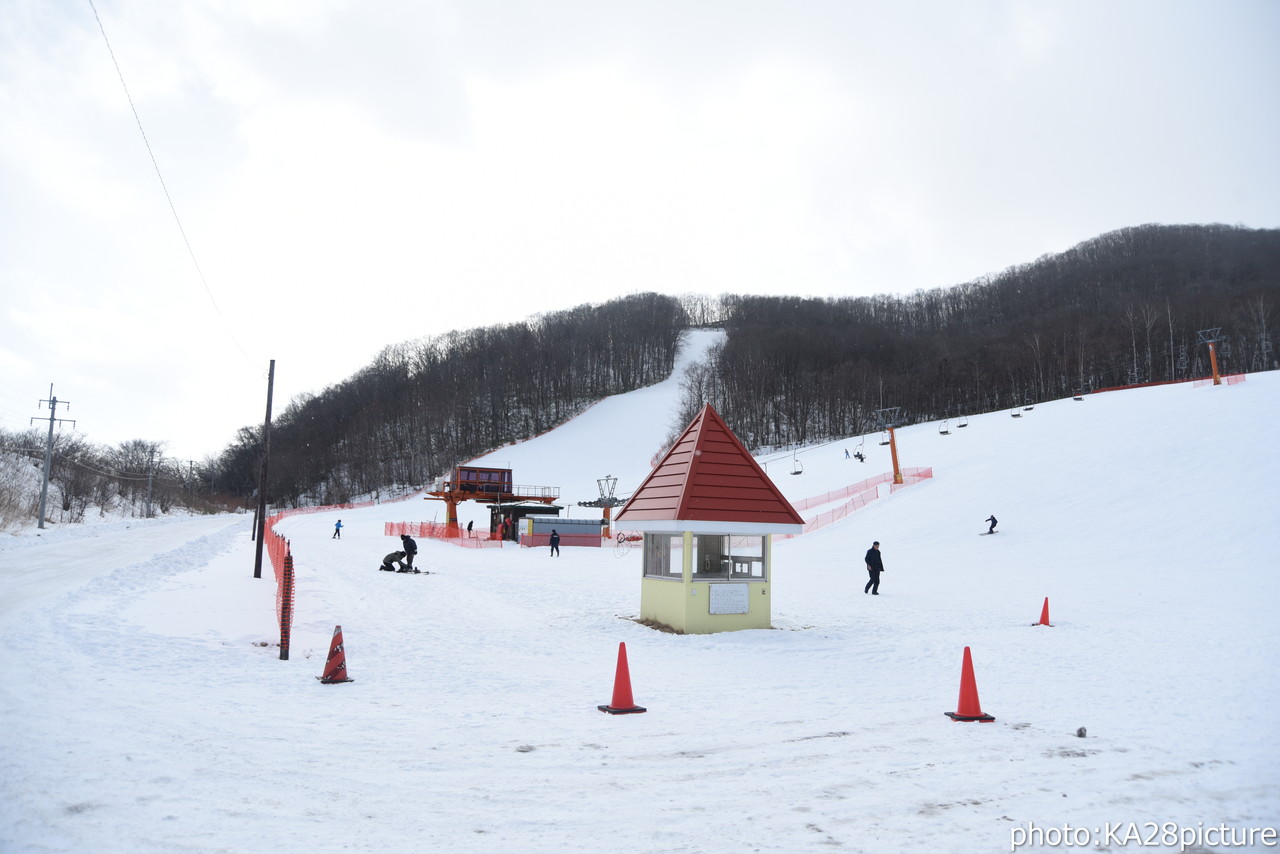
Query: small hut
(708, 513)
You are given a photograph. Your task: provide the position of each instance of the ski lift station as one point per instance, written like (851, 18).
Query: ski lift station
(708, 513)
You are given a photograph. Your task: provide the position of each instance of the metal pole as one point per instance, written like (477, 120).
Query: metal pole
(893, 452)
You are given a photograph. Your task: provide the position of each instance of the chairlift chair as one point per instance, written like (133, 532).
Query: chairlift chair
(797, 467)
(942, 428)
(884, 438)
(1015, 413)
(963, 422)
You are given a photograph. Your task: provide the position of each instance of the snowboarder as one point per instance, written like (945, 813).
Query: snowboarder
(875, 566)
(555, 543)
(337, 530)
(846, 453)
(410, 549)
(992, 520)
(469, 524)
(394, 562)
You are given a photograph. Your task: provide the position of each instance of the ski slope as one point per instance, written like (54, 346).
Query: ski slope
(145, 715)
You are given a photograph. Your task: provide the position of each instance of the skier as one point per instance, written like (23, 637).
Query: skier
(394, 562)
(337, 530)
(410, 549)
(555, 543)
(992, 520)
(875, 566)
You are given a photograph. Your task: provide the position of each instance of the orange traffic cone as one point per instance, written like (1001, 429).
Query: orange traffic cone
(968, 708)
(1044, 615)
(622, 703)
(335, 669)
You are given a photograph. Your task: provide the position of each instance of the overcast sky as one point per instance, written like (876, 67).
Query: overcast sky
(352, 175)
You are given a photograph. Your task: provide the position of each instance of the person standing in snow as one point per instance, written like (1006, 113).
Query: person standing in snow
(337, 530)
(394, 562)
(875, 566)
(992, 520)
(555, 543)
(410, 549)
(469, 524)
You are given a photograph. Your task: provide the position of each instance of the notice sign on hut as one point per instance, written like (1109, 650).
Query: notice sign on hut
(730, 599)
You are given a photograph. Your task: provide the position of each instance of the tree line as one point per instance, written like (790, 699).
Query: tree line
(1125, 308)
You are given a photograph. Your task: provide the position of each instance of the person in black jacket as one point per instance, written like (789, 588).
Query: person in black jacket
(875, 566)
(992, 520)
(410, 549)
(555, 543)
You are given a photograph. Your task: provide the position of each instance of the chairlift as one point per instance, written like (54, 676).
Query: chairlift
(963, 422)
(857, 452)
(1015, 413)
(797, 467)
(1078, 396)
(884, 438)
(942, 428)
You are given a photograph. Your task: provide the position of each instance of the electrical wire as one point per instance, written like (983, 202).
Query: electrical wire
(163, 186)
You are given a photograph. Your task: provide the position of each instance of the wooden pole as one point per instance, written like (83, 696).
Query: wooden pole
(262, 482)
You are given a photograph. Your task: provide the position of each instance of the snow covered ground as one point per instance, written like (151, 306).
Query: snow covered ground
(144, 715)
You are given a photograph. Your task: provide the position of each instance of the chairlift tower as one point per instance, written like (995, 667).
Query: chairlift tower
(606, 502)
(1211, 337)
(888, 421)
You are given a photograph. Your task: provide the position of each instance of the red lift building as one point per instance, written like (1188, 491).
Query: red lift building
(486, 486)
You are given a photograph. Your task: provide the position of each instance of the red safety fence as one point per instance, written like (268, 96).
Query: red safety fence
(910, 476)
(440, 531)
(277, 548)
(838, 494)
(1227, 379)
(867, 491)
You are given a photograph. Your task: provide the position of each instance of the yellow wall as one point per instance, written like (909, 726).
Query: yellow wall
(684, 605)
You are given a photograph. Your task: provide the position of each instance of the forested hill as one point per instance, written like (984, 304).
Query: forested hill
(1123, 308)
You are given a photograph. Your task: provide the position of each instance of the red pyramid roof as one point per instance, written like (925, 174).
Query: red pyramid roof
(709, 477)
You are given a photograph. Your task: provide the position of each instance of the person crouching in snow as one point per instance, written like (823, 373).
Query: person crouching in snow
(410, 549)
(394, 562)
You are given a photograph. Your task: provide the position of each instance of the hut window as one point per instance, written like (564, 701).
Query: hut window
(663, 555)
(721, 556)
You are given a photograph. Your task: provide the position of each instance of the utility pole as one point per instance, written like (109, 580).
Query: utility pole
(151, 468)
(261, 522)
(48, 449)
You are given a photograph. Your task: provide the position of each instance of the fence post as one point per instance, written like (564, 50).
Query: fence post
(286, 606)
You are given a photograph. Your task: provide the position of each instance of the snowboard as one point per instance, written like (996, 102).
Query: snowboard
(406, 571)
(985, 533)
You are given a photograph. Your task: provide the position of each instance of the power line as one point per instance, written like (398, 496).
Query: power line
(163, 186)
